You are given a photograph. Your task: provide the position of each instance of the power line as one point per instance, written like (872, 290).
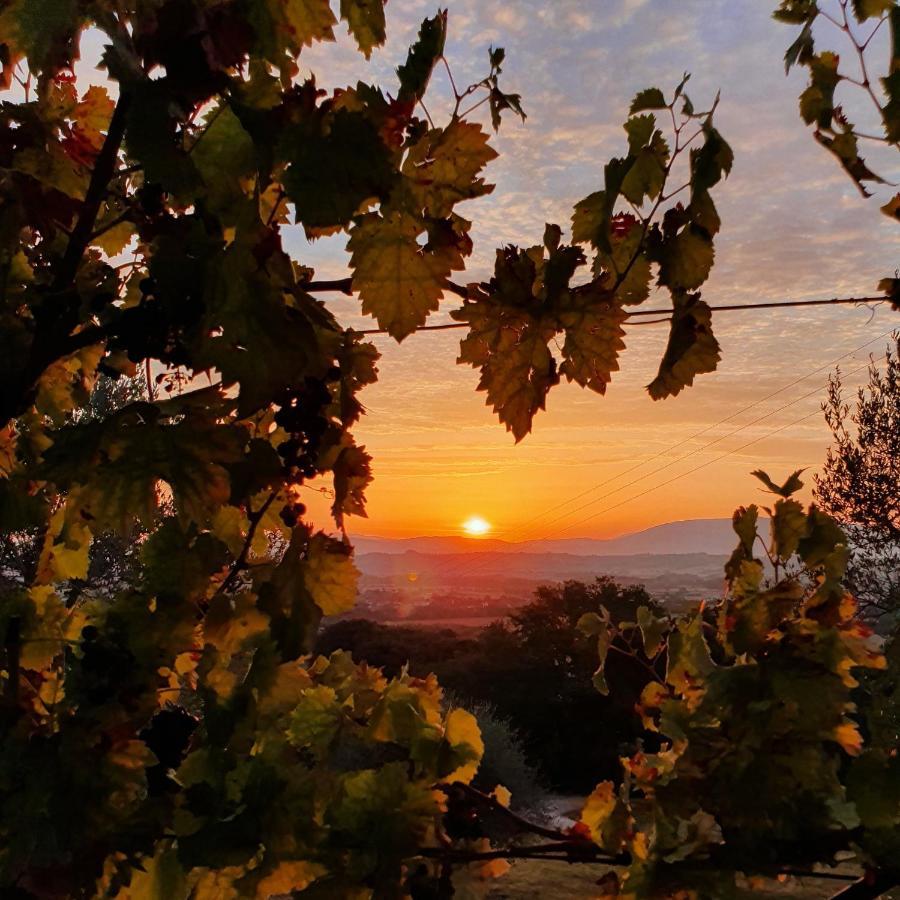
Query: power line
(665, 313)
(523, 529)
(470, 570)
(668, 465)
(692, 471)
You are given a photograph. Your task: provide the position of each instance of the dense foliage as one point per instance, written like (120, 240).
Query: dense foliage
(535, 670)
(172, 737)
(762, 764)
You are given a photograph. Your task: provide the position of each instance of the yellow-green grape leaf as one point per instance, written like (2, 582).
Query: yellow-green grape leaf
(224, 154)
(692, 349)
(817, 101)
(64, 554)
(606, 817)
(306, 20)
(594, 339)
(652, 630)
(316, 720)
(687, 259)
(788, 527)
(589, 216)
(462, 733)
(45, 635)
(289, 876)
(352, 475)
(365, 19)
(67, 383)
(233, 623)
(624, 266)
(113, 468)
(517, 368)
(689, 659)
(822, 538)
(744, 524)
(330, 575)
(443, 166)
(38, 28)
(399, 282)
(158, 878)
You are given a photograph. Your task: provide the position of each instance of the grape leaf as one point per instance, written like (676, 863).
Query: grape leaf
(352, 475)
(788, 527)
(689, 659)
(692, 349)
(365, 19)
(817, 101)
(307, 20)
(686, 259)
(845, 147)
(649, 98)
(606, 817)
(316, 720)
(224, 155)
(289, 875)
(443, 166)
(113, 240)
(112, 468)
(589, 216)
(415, 73)
(870, 9)
(335, 169)
(330, 575)
(462, 733)
(43, 30)
(250, 334)
(399, 281)
(517, 368)
(652, 630)
(594, 339)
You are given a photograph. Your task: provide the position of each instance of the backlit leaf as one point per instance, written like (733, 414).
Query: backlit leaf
(365, 19)
(443, 166)
(330, 575)
(692, 349)
(415, 73)
(399, 282)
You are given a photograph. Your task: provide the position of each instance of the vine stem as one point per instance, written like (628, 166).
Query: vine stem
(656, 676)
(101, 175)
(871, 886)
(567, 851)
(241, 562)
(522, 823)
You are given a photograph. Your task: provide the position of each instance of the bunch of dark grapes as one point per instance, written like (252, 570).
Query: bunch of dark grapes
(303, 415)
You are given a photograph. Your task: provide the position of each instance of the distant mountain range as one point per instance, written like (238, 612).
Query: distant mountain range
(673, 558)
(709, 536)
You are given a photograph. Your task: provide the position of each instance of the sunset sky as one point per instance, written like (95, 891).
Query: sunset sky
(794, 226)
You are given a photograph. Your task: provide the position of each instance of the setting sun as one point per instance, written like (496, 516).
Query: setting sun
(476, 526)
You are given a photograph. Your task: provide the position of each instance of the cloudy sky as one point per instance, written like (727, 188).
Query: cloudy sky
(794, 227)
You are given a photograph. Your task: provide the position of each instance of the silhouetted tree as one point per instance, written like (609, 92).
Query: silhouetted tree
(860, 483)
